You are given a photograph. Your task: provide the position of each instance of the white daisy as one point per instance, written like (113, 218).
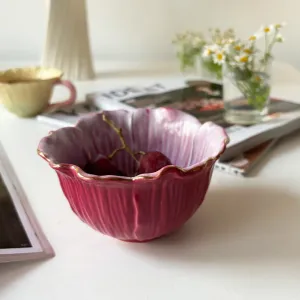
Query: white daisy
(254, 37)
(242, 60)
(207, 53)
(238, 47)
(268, 29)
(245, 58)
(209, 50)
(219, 57)
(248, 50)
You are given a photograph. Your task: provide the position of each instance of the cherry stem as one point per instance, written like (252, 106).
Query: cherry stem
(120, 134)
(110, 156)
(140, 152)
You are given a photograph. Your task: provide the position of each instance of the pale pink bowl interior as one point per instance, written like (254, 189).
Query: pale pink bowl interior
(179, 136)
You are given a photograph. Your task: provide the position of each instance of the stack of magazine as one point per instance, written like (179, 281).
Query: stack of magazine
(203, 99)
(21, 237)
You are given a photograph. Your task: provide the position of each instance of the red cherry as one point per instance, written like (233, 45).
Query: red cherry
(147, 163)
(152, 161)
(102, 166)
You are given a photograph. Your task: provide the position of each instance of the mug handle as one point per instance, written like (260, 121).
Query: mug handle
(73, 94)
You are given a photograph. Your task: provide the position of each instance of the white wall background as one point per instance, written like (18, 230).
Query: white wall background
(141, 30)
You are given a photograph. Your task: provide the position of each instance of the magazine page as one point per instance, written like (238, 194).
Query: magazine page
(21, 238)
(107, 100)
(167, 93)
(202, 99)
(128, 92)
(68, 116)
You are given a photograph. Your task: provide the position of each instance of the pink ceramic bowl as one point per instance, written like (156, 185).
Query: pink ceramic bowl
(146, 206)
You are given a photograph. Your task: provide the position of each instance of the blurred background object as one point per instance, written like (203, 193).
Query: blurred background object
(140, 32)
(67, 43)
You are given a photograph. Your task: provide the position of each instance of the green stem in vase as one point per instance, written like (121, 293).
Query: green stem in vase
(212, 68)
(258, 97)
(256, 91)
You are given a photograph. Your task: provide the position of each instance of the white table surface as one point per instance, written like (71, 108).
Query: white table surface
(243, 243)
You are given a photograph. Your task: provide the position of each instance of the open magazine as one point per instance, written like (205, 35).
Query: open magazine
(200, 98)
(21, 237)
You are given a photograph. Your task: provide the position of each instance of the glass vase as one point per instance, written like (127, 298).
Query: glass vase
(247, 92)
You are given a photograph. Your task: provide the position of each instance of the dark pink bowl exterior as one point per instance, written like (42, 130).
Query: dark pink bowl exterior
(147, 206)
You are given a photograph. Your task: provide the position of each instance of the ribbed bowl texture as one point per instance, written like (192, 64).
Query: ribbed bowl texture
(144, 207)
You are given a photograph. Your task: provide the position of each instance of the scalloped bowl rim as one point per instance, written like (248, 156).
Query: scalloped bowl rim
(149, 176)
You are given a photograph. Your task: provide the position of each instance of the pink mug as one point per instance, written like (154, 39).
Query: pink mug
(27, 92)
